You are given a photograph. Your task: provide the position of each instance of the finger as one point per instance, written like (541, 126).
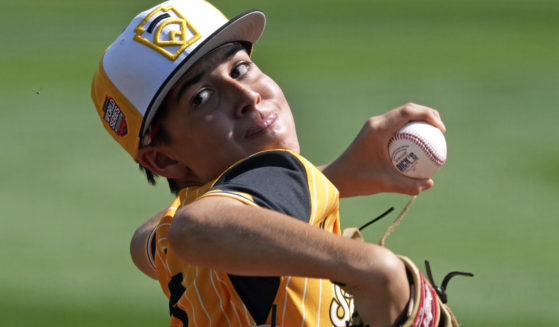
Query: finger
(407, 185)
(427, 185)
(434, 118)
(429, 115)
(416, 112)
(417, 188)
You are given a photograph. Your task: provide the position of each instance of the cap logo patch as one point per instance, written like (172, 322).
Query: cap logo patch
(166, 31)
(114, 117)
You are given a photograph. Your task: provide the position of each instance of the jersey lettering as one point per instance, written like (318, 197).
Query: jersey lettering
(341, 307)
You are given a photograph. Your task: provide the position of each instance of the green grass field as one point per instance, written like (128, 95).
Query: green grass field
(70, 198)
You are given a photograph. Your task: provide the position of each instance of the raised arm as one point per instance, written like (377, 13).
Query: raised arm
(365, 167)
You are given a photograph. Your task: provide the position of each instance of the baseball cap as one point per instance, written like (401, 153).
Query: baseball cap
(144, 62)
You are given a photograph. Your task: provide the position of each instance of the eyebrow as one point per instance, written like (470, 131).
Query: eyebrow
(196, 78)
(189, 83)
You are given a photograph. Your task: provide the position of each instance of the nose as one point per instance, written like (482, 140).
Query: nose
(246, 99)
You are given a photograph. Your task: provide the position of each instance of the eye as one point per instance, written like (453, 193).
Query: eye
(200, 98)
(240, 69)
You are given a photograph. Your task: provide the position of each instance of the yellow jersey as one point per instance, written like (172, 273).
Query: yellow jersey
(279, 180)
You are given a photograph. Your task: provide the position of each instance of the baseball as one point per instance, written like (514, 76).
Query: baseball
(418, 150)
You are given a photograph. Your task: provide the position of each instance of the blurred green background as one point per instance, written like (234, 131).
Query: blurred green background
(70, 198)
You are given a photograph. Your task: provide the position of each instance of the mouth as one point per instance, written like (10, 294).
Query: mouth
(262, 125)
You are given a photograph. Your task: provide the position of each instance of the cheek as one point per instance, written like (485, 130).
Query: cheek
(286, 129)
(210, 132)
(270, 90)
(275, 94)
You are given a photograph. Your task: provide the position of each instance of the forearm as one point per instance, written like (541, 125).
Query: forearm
(223, 234)
(350, 178)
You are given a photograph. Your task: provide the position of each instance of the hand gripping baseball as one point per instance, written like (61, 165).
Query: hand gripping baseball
(366, 167)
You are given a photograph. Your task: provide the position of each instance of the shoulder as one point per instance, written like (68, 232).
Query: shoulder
(276, 180)
(275, 160)
(278, 169)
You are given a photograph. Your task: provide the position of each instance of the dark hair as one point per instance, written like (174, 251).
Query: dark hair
(160, 137)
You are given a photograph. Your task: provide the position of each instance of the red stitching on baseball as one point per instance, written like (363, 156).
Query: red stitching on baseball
(422, 144)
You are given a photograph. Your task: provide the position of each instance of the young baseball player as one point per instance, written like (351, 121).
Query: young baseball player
(253, 236)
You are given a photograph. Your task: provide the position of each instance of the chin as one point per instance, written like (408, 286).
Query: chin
(291, 146)
(285, 138)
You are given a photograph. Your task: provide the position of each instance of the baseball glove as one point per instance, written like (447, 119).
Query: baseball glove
(427, 305)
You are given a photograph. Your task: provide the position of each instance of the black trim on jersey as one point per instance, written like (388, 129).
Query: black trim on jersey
(153, 247)
(277, 180)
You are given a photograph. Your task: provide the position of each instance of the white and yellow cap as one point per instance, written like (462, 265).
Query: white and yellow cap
(160, 44)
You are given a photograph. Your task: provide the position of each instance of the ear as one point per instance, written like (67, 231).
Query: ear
(161, 163)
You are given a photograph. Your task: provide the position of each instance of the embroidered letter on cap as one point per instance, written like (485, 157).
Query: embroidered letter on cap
(114, 117)
(166, 31)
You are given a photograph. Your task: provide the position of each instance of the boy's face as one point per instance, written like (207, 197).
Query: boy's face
(224, 109)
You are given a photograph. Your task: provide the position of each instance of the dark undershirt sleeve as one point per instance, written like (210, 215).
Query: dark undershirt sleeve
(276, 180)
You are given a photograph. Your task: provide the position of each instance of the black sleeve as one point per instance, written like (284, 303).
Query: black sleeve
(277, 180)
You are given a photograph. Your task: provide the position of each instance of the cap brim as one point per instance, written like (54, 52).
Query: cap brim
(247, 26)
